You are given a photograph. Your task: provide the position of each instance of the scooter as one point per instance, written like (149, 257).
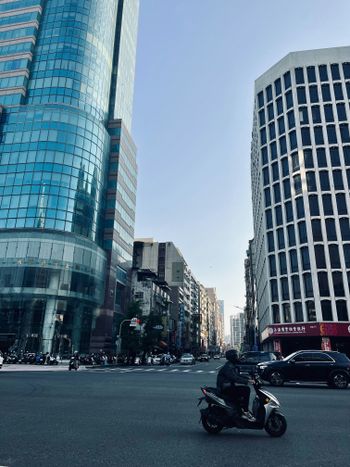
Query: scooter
(223, 413)
(73, 364)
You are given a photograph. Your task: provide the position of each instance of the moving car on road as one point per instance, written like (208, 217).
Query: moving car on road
(204, 357)
(217, 356)
(187, 359)
(328, 367)
(249, 360)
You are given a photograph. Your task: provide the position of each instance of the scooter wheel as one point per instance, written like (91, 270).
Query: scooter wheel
(210, 426)
(276, 425)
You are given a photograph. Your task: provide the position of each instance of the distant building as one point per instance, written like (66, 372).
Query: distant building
(250, 318)
(237, 330)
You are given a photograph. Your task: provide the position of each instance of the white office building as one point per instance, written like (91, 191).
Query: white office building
(300, 173)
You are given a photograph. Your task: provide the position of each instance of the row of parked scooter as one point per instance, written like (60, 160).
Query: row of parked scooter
(30, 358)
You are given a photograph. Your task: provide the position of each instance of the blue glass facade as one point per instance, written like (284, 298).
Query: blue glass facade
(56, 63)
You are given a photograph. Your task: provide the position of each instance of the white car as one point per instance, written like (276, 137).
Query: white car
(187, 359)
(216, 357)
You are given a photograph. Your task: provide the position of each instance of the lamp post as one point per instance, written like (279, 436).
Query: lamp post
(133, 323)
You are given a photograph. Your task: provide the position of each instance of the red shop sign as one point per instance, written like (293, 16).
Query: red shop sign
(306, 329)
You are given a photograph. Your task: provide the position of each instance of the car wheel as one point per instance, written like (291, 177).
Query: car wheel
(339, 380)
(276, 378)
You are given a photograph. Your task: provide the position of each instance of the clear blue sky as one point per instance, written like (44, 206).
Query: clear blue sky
(196, 65)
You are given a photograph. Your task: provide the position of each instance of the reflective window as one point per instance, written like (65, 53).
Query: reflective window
(276, 314)
(338, 284)
(346, 70)
(293, 140)
(324, 181)
(291, 119)
(295, 161)
(330, 228)
(286, 188)
(262, 120)
(323, 284)
(338, 180)
(286, 313)
(335, 159)
(287, 80)
(278, 214)
(311, 74)
(301, 94)
(272, 265)
(326, 307)
(305, 259)
(327, 205)
(328, 113)
(266, 176)
(308, 285)
(300, 208)
(302, 232)
(313, 94)
(269, 93)
(326, 94)
(310, 309)
(268, 217)
(346, 151)
(297, 184)
(334, 256)
(283, 145)
(274, 290)
(289, 211)
(291, 235)
(344, 228)
(316, 114)
(305, 136)
(314, 208)
(322, 69)
(335, 71)
(275, 172)
(341, 112)
(289, 99)
(344, 132)
(279, 105)
(298, 311)
(278, 87)
(280, 239)
(281, 126)
(285, 166)
(308, 159)
(341, 204)
(321, 157)
(270, 114)
(299, 76)
(342, 311)
(277, 192)
(311, 181)
(263, 136)
(283, 263)
(261, 99)
(270, 242)
(346, 248)
(264, 159)
(320, 257)
(267, 197)
(348, 89)
(331, 134)
(303, 116)
(293, 257)
(318, 131)
(316, 230)
(285, 288)
(338, 92)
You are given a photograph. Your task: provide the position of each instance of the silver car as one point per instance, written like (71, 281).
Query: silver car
(187, 359)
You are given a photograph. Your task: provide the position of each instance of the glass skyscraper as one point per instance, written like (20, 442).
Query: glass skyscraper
(300, 169)
(67, 170)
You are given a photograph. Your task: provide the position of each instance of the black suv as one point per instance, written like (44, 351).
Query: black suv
(328, 367)
(249, 360)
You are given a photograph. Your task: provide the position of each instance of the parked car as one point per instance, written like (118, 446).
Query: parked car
(328, 367)
(249, 360)
(204, 357)
(187, 359)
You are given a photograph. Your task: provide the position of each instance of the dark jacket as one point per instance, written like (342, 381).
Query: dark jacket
(229, 375)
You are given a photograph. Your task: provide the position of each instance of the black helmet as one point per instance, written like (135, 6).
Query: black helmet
(232, 356)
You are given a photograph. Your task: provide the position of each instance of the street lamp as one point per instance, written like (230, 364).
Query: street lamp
(133, 322)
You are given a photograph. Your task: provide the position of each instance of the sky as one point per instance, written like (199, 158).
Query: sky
(196, 64)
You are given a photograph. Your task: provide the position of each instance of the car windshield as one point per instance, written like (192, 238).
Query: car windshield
(187, 355)
(290, 356)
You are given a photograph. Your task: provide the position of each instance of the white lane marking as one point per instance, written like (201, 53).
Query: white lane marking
(186, 371)
(172, 371)
(163, 369)
(150, 369)
(199, 371)
(212, 371)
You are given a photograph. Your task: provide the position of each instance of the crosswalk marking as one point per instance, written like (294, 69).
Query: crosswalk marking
(199, 371)
(186, 371)
(172, 371)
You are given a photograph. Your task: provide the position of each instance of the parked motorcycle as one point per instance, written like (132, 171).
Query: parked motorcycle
(73, 364)
(223, 413)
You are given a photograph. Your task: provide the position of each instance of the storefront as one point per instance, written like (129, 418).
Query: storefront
(287, 338)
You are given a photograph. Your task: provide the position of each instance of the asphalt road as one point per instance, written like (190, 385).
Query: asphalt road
(133, 417)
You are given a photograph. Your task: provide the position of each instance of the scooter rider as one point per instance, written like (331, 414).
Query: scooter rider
(227, 379)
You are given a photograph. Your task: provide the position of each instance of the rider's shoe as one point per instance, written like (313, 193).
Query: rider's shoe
(248, 416)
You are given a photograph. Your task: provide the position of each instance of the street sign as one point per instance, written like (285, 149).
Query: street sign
(158, 327)
(134, 322)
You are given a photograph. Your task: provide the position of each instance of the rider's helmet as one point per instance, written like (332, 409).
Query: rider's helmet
(232, 356)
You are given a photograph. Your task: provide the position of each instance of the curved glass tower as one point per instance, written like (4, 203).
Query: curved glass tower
(300, 168)
(57, 60)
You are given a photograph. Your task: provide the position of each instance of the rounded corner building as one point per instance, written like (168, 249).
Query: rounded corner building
(67, 171)
(300, 172)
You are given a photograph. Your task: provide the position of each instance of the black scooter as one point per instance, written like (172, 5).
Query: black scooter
(223, 413)
(73, 364)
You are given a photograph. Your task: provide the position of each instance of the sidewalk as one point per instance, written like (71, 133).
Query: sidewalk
(63, 366)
